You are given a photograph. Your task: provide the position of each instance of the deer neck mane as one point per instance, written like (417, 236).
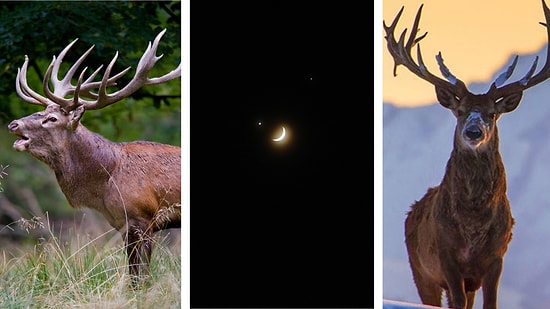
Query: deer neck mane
(476, 175)
(83, 153)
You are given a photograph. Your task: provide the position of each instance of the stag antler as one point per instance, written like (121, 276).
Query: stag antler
(528, 80)
(63, 87)
(401, 53)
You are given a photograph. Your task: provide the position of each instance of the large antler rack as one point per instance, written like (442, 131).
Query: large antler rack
(528, 80)
(85, 89)
(401, 53)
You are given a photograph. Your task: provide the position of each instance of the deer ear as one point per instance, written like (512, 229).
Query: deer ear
(509, 102)
(446, 98)
(75, 115)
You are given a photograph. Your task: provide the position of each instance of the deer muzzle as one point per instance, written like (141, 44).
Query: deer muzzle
(475, 130)
(22, 143)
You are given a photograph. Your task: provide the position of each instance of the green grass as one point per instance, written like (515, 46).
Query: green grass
(85, 271)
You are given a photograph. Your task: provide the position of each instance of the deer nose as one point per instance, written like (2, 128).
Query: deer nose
(13, 126)
(473, 132)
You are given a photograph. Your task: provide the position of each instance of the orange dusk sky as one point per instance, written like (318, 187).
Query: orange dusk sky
(475, 37)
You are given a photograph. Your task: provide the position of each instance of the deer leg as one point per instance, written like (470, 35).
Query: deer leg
(471, 295)
(490, 285)
(456, 294)
(138, 249)
(429, 291)
(455, 283)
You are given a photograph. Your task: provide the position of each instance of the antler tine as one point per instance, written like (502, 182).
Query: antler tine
(499, 81)
(401, 53)
(149, 59)
(65, 103)
(24, 91)
(77, 88)
(168, 76)
(528, 80)
(88, 85)
(545, 71)
(63, 87)
(140, 79)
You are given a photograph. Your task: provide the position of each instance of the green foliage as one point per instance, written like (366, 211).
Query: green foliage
(41, 29)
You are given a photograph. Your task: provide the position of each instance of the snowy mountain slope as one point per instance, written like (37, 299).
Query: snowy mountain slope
(417, 143)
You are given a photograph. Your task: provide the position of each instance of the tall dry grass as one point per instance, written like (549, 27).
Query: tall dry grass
(78, 266)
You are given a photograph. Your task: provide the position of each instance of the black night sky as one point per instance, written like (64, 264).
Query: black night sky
(272, 225)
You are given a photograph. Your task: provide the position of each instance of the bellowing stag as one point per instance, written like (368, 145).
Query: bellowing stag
(458, 233)
(134, 185)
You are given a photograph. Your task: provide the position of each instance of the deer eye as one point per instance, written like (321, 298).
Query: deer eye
(50, 119)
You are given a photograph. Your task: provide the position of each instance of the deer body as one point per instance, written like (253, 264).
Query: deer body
(458, 233)
(144, 175)
(134, 185)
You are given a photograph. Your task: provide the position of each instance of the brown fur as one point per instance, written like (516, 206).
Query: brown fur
(458, 233)
(134, 185)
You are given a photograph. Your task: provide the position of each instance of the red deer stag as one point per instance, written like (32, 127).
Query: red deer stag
(457, 234)
(134, 185)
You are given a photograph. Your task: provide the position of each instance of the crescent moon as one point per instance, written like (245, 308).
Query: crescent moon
(280, 138)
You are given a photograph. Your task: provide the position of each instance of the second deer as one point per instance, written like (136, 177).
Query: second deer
(458, 233)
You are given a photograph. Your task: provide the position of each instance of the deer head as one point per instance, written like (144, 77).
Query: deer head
(62, 114)
(476, 113)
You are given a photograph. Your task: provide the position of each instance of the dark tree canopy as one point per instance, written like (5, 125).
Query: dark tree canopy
(42, 29)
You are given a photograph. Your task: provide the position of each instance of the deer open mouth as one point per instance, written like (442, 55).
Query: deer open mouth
(22, 143)
(475, 134)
